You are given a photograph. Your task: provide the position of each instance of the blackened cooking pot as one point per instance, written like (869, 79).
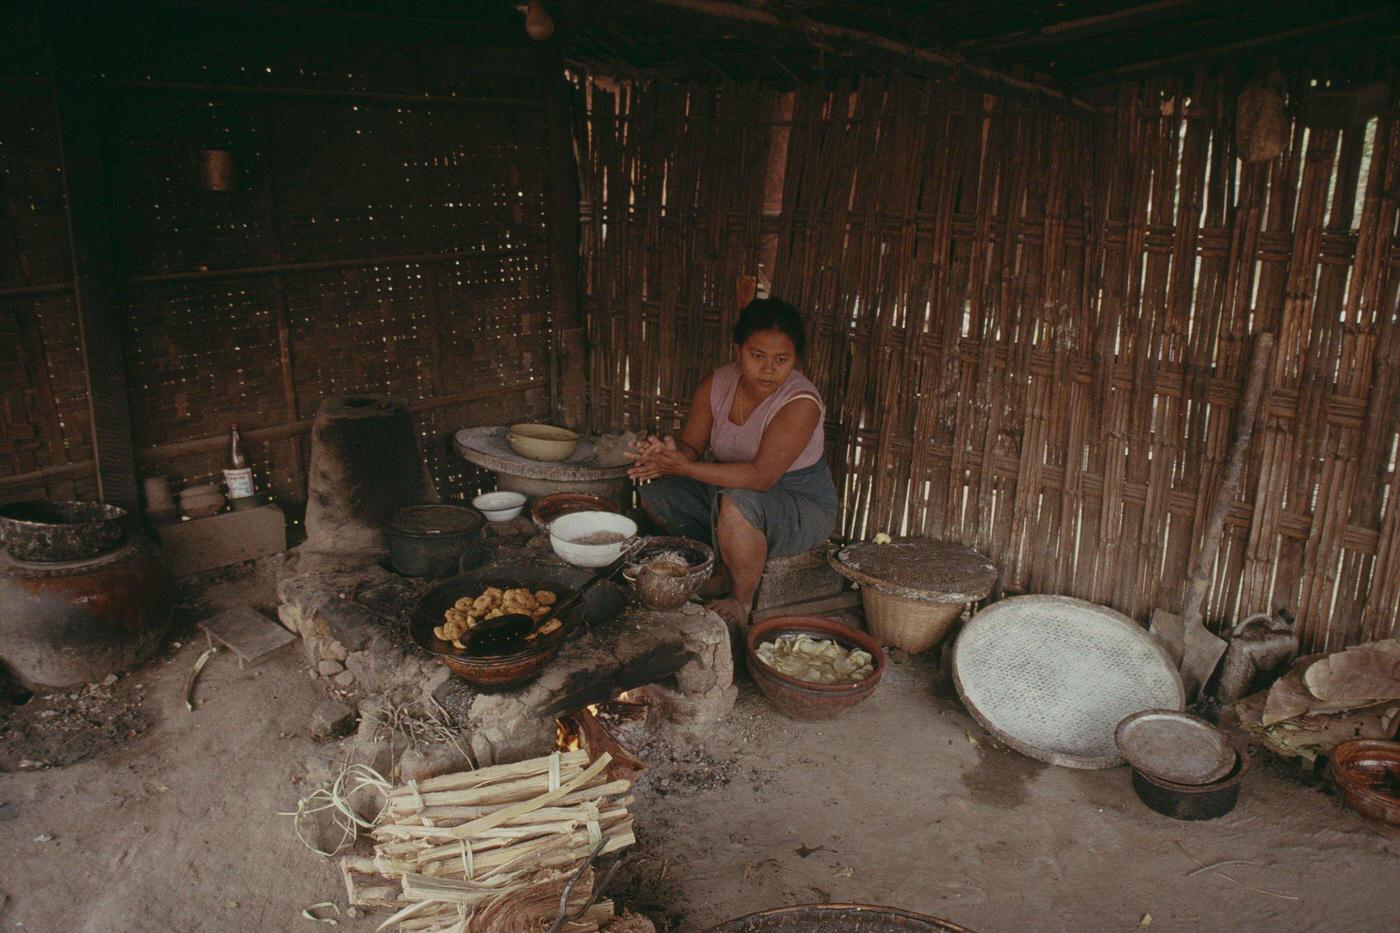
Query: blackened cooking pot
(1194, 801)
(431, 540)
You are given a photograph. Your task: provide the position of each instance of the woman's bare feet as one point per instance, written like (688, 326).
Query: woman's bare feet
(733, 612)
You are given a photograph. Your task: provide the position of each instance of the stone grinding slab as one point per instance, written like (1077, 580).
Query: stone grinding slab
(925, 569)
(488, 448)
(1053, 676)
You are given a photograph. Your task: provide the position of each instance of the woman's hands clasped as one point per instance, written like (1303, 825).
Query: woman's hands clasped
(656, 457)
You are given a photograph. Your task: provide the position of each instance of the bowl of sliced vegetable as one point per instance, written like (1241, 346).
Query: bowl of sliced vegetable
(813, 668)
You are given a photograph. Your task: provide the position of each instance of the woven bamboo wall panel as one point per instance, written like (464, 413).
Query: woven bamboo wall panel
(166, 220)
(34, 243)
(672, 190)
(1032, 332)
(45, 448)
(385, 235)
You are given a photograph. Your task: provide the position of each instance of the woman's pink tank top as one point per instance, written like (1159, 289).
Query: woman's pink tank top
(738, 443)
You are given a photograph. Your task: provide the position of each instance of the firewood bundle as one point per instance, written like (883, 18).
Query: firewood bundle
(499, 848)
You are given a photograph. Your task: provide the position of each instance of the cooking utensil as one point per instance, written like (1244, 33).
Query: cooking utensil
(799, 699)
(569, 535)
(1053, 677)
(542, 441)
(516, 626)
(431, 540)
(1192, 801)
(661, 590)
(499, 671)
(547, 508)
(500, 506)
(1366, 773)
(60, 530)
(1175, 747)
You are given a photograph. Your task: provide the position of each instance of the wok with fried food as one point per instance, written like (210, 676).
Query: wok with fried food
(469, 612)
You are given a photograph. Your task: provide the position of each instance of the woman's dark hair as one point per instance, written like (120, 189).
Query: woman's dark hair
(771, 314)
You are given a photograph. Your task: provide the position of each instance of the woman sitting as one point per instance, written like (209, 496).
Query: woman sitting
(768, 492)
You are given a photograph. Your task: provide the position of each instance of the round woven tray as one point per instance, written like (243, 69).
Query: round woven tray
(923, 569)
(1053, 676)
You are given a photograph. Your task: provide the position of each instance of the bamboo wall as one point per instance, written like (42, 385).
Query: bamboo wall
(1032, 330)
(387, 235)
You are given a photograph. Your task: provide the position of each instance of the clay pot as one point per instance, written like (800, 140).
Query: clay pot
(78, 621)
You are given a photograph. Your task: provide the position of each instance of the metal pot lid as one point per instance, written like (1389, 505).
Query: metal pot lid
(1053, 677)
(435, 519)
(1175, 747)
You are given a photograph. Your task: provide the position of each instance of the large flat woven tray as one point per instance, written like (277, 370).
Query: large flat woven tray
(1053, 676)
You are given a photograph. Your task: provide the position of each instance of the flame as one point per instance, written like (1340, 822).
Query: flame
(566, 738)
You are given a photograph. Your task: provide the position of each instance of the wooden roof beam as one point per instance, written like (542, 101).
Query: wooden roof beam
(1083, 28)
(1140, 69)
(984, 78)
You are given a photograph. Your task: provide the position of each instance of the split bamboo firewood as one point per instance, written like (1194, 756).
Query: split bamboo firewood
(465, 851)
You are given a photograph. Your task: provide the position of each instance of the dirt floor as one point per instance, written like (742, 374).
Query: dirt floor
(128, 812)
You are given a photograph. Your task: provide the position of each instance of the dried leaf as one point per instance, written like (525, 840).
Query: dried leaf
(307, 913)
(199, 663)
(845, 873)
(972, 739)
(1146, 920)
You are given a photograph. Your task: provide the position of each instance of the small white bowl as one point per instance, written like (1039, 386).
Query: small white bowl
(566, 531)
(499, 506)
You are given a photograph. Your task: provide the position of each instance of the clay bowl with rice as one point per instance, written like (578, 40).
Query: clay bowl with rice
(825, 683)
(665, 572)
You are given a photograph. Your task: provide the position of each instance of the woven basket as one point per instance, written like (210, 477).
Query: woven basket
(909, 624)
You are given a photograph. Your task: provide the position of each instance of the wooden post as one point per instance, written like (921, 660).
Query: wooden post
(568, 341)
(78, 112)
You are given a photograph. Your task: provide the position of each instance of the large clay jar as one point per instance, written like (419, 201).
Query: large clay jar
(78, 621)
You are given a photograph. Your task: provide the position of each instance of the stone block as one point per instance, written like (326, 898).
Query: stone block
(220, 540)
(329, 668)
(331, 719)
